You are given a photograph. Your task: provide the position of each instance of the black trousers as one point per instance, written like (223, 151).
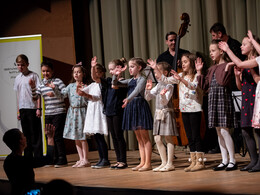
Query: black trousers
(58, 121)
(101, 146)
(114, 124)
(191, 121)
(32, 129)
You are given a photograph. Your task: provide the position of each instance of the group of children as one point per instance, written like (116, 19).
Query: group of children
(117, 104)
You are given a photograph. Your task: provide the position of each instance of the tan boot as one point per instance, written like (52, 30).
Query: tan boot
(199, 162)
(192, 159)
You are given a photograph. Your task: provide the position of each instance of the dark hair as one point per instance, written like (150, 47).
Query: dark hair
(224, 56)
(101, 68)
(22, 57)
(119, 62)
(12, 139)
(47, 64)
(192, 57)
(218, 27)
(170, 33)
(165, 66)
(139, 62)
(84, 79)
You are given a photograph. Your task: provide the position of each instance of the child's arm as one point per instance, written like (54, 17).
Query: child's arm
(245, 64)
(93, 73)
(162, 78)
(255, 76)
(116, 83)
(152, 64)
(140, 86)
(253, 41)
(17, 102)
(150, 92)
(166, 94)
(238, 75)
(33, 89)
(56, 89)
(203, 81)
(39, 100)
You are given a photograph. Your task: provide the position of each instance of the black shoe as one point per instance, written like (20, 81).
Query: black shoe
(253, 170)
(62, 162)
(102, 164)
(121, 166)
(217, 168)
(114, 166)
(234, 167)
(245, 169)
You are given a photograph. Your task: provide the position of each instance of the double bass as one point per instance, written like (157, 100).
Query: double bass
(182, 138)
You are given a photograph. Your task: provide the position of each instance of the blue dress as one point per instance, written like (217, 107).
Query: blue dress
(137, 114)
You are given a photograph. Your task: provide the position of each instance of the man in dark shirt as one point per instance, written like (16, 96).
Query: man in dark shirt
(168, 55)
(218, 31)
(19, 168)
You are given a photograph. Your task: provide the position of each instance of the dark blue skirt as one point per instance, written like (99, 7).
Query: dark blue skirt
(137, 115)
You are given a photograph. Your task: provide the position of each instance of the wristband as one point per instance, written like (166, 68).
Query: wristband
(39, 109)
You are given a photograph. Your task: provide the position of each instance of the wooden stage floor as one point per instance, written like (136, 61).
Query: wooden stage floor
(234, 182)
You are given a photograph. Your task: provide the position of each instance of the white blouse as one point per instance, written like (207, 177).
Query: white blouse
(190, 97)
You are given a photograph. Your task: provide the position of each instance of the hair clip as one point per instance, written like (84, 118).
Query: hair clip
(78, 64)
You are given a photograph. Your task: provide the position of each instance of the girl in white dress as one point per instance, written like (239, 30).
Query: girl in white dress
(95, 122)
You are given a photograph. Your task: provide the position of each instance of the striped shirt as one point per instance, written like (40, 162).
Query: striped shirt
(53, 105)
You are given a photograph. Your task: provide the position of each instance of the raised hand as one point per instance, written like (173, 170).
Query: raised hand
(94, 61)
(250, 35)
(32, 83)
(163, 92)
(118, 70)
(149, 84)
(198, 64)
(151, 63)
(223, 46)
(175, 75)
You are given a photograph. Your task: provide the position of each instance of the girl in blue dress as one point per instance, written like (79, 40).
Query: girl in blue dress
(137, 114)
(74, 124)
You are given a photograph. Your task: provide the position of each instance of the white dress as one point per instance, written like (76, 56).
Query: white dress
(95, 121)
(256, 113)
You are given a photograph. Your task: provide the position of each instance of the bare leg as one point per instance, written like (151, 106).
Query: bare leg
(84, 144)
(141, 150)
(147, 148)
